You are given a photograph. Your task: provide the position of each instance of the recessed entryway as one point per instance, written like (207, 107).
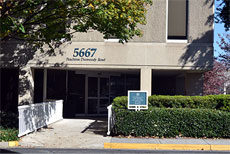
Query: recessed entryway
(85, 92)
(9, 89)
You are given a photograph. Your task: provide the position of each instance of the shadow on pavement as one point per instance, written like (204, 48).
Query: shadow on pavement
(98, 126)
(7, 151)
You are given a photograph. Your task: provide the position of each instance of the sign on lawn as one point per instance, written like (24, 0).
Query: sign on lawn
(137, 100)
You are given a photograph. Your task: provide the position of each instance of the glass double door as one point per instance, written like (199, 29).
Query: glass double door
(98, 95)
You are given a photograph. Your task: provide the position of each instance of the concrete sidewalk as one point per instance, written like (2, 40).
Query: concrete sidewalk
(168, 144)
(90, 133)
(69, 133)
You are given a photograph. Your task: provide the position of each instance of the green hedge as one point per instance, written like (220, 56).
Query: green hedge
(8, 134)
(168, 122)
(219, 102)
(8, 120)
(8, 126)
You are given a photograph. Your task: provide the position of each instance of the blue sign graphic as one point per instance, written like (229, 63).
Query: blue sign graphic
(137, 100)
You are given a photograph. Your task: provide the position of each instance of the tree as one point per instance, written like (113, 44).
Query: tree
(45, 21)
(223, 13)
(214, 80)
(224, 44)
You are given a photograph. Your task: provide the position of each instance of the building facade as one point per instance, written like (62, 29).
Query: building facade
(89, 72)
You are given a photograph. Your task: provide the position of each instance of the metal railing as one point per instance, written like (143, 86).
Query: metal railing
(35, 116)
(111, 119)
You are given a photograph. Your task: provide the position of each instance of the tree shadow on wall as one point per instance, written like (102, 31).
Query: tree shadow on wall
(20, 54)
(198, 52)
(211, 18)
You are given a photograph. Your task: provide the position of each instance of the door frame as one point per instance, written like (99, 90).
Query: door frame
(98, 76)
(87, 75)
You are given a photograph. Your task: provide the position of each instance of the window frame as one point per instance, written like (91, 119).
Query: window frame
(111, 40)
(177, 40)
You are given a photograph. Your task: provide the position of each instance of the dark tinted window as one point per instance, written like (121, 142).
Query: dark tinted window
(56, 84)
(132, 82)
(9, 89)
(117, 86)
(177, 19)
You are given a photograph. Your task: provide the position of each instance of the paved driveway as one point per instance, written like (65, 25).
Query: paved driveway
(70, 133)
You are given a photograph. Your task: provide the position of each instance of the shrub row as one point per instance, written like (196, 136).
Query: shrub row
(8, 120)
(8, 134)
(8, 126)
(168, 122)
(219, 102)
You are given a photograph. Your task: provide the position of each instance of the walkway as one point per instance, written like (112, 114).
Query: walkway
(91, 134)
(70, 133)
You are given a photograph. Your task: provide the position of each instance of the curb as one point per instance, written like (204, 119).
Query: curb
(9, 144)
(166, 146)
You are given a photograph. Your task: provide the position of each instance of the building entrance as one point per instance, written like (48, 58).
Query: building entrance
(9, 89)
(85, 93)
(98, 94)
(75, 97)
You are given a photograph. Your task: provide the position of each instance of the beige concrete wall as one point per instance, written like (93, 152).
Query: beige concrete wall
(90, 36)
(155, 29)
(200, 24)
(26, 86)
(146, 80)
(116, 55)
(200, 21)
(167, 56)
(131, 55)
(150, 52)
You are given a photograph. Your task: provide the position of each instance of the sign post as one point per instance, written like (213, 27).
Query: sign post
(137, 100)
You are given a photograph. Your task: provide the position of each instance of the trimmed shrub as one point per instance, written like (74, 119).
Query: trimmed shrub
(8, 126)
(170, 101)
(120, 102)
(8, 134)
(222, 101)
(8, 120)
(218, 102)
(171, 122)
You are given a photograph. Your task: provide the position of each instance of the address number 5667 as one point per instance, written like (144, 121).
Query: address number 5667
(82, 52)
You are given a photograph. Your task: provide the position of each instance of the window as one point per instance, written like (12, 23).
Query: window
(56, 84)
(112, 39)
(177, 19)
(38, 85)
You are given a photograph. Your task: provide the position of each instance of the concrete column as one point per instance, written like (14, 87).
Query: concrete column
(146, 80)
(26, 86)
